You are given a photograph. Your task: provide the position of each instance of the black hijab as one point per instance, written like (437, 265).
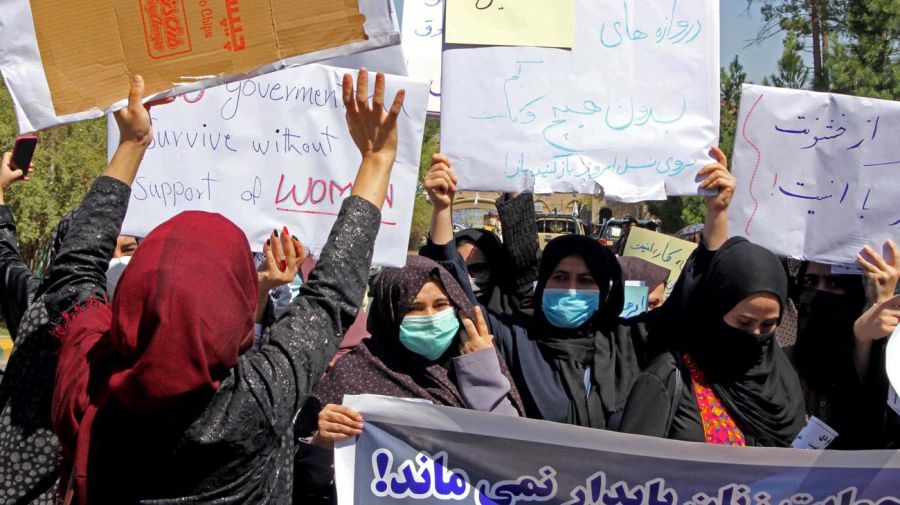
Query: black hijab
(597, 344)
(759, 389)
(493, 293)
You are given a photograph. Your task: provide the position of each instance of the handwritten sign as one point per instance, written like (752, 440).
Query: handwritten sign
(537, 23)
(272, 151)
(635, 299)
(552, 120)
(423, 26)
(663, 250)
(818, 173)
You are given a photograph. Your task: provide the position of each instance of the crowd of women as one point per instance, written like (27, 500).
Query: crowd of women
(182, 382)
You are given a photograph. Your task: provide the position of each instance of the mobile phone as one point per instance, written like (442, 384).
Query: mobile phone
(23, 152)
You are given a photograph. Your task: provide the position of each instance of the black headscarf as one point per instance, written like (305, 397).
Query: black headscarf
(492, 295)
(824, 348)
(639, 269)
(596, 344)
(758, 387)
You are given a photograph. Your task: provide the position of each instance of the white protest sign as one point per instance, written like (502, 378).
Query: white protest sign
(269, 152)
(818, 173)
(633, 107)
(423, 25)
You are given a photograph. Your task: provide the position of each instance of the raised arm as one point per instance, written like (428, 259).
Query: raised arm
(520, 245)
(88, 245)
(303, 341)
(717, 178)
(17, 283)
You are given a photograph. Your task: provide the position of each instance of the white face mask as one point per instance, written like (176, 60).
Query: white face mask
(114, 272)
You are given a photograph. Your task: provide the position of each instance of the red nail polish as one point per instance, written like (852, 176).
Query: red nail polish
(283, 265)
(285, 231)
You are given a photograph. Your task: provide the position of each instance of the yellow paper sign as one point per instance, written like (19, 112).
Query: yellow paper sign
(663, 250)
(539, 23)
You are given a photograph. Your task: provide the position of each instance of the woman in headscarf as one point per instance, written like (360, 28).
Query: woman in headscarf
(424, 345)
(726, 381)
(653, 276)
(575, 360)
(832, 353)
(155, 395)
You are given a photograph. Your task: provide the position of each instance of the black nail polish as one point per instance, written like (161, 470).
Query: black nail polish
(295, 238)
(268, 242)
(275, 232)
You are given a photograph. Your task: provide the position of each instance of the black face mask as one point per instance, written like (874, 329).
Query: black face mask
(724, 352)
(824, 333)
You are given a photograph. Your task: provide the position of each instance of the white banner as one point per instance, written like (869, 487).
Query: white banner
(818, 173)
(429, 454)
(423, 27)
(273, 151)
(633, 107)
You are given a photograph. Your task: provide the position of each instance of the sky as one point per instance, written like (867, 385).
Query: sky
(738, 25)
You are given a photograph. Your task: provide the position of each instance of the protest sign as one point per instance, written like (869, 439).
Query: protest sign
(663, 250)
(633, 107)
(68, 61)
(635, 299)
(273, 151)
(422, 27)
(431, 454)
(535, 23)
(818, 173)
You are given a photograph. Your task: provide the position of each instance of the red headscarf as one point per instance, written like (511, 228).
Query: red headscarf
(182, 314)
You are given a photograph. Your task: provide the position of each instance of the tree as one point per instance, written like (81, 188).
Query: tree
(730, 93)
(792, 72)
(866, 60)
(421, 220)
(67, 160)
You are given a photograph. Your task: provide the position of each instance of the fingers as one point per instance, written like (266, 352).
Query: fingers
(161, 101)
(471, 331)
(299, 250)
(267, 249)
(891, 254)
(136, 95)
(7, 159)
(875, 258)
(439, 158)
(347, 87)
(396, 107)
(287, 245)
(480, 323)
(277, 251)
(719, 156)
(362, 90)
(868, 267)
(378, 99)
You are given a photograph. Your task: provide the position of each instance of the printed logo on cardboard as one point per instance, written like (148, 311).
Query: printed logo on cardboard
(165, 28)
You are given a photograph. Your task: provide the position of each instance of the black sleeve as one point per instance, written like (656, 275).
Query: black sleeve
(647, 410)
(521, 248)
(296, 350)
(17, 284)
(87, 244)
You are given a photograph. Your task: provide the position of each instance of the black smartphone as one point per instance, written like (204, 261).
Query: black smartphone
(23, 152)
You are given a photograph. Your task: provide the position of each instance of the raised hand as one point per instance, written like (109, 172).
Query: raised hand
(879, 321)
(476, 335)
(440, 182)
(718, 178)
(134, 120)
(8, 176)
(337, 422)
(373, 130)
(284, 255)
(882, 272)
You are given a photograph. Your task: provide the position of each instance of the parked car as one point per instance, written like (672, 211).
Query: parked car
(550, 226)
(612, 232)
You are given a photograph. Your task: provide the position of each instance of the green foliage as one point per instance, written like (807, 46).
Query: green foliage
(865, 60)
(730, 92)
(421, 221)
(792, 72)
(66, 161)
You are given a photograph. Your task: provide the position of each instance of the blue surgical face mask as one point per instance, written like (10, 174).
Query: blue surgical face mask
(569, 308)
(429, 336)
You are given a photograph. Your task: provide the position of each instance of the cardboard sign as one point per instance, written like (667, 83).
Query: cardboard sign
(273, 151)
(632, 108)
(818, 173)
(81, 56)
(537, 23)
(663, 250)
(636, 294)
(816, 435)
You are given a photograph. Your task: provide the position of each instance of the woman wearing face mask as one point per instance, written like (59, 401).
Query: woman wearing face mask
(574, 361)
(833, 349)
(726, 381)
(424, 345)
